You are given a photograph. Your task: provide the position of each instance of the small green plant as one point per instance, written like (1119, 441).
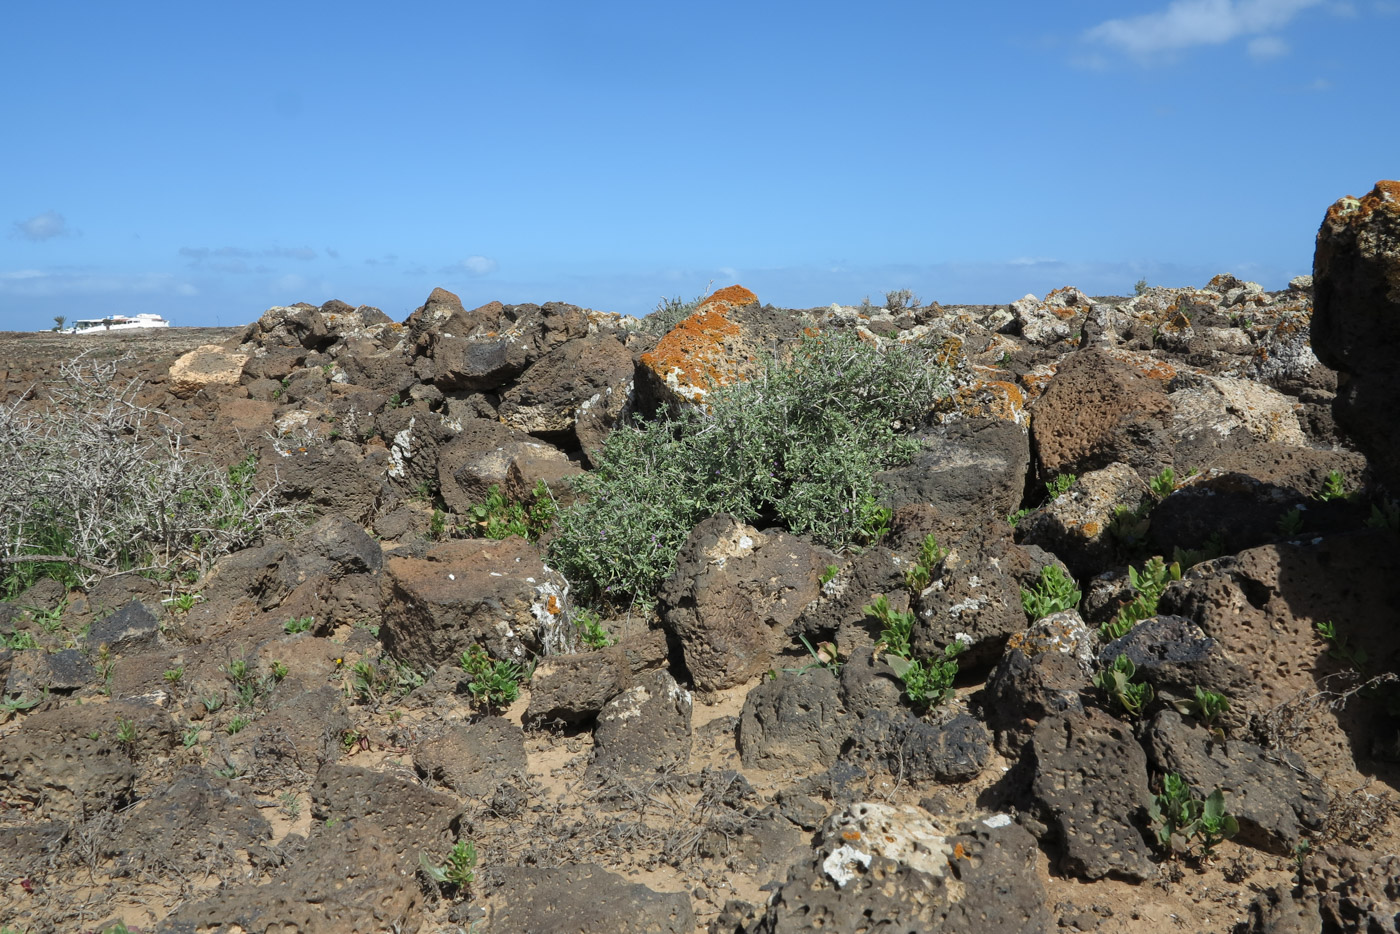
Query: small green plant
(437, 525)
(289, 804)
(49, 620)
(118, 928)
(190, 737)
(279, 670)
(21, 639)
(1117, 682)
(1060, 485)
(398, 401)
(1140, 287)
(237, 724)
(229, 771)
(455, 873)
(213, 702)
(1334, 487)
(1148, 586)
(173, 675)
(1385, 514)
(1163, 484)
(928, 682)
(1341, 649)
(1128, 526)
(298, 624)
(185, 602)
(897, 626)
(496, 684)
(105, 665)
(126, 732)
(1214, 823)
(824, 655)
(351, 739)
(918, 577)
(875, 520)
(828, 575)
(1301, 850)
(383, 679)
(1212, 548)
(1053, 593)
(499, 518)
(1291, 523)
(11, 706)
(237, 670)
(591, 631)
(1015, 518)
(1208, 707)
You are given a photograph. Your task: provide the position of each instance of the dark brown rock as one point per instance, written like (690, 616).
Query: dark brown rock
(572, 688)
(1090, 785)
(733, 592)
(497, 594)
(1356, 321)
(1096, 411)
(580, 900)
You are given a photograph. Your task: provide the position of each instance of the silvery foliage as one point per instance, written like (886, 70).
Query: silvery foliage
(797, 445)
(103, 485)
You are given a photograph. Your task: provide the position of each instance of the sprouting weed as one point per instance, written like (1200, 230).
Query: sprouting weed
(1053, 593)
(1060, 485)
(1117, 682)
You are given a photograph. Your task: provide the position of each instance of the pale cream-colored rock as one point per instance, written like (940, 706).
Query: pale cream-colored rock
(208, 365)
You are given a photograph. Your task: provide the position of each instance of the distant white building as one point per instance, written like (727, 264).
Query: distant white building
(116, 323)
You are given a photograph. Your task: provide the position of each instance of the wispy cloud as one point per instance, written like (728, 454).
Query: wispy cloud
(221, 256)
(43, 226)
(475, 266)
(1184, 24)
(1267, 47)
(37, 283)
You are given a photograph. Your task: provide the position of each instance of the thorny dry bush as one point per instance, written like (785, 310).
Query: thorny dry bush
(96, 484)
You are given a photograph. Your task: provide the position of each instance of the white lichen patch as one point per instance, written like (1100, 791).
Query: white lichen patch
(908, 835)
(400, 451)
(628, 704)
(841, 865)
(547, 607)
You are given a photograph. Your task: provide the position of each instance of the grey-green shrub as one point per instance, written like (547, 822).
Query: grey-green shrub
(96, 484)
(797, 445)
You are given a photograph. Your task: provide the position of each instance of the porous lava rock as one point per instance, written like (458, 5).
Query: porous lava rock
(1356, 318)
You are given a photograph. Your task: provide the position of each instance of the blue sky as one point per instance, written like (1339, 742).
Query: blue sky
(207, 161)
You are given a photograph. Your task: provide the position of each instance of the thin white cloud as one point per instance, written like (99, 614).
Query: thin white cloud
(232, 255)
(475, 266)
(1319, 85)
(1188, 23)
(43, 226)
(34, 283)
(1265, 48)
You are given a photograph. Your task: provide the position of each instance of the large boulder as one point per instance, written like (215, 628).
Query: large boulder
(722, 341)
(733, 592)
(1356, 321)
(485, 454)
(497, 594)
(1089, 785)
(969, 470)
(575, 393)
(1097, 410)
(210, 366)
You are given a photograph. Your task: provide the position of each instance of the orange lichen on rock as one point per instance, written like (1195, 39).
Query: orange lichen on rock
(690, 354)
(734, 296)
(992, 398)
(1351, 210)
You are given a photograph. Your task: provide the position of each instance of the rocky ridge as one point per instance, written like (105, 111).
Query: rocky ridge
(295, 745)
